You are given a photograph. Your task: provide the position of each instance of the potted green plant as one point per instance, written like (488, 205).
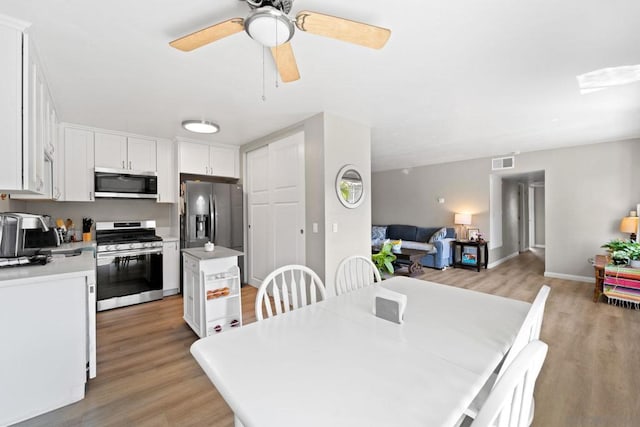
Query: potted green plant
(634, 254)
(384, 259)
(624, 252)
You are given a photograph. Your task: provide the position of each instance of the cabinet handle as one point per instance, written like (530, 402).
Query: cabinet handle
(129, 164)
(123, 164)
(90, 195)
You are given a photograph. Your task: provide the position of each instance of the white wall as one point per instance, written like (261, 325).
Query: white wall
(107, 210)
(345, 143)
(588, 189)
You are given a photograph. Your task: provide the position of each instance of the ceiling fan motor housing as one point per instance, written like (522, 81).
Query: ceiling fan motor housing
(282, 5)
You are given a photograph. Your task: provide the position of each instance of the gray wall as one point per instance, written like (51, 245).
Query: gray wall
(588, 189)
(538, 201)
(509, 221)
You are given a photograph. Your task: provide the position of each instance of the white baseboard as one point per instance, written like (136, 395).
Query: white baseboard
(586, 279)
(539, 246)
(501, 260)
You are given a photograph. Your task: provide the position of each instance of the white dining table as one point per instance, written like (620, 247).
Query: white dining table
(335, 364)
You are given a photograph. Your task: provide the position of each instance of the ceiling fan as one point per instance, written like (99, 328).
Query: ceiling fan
(268, 23)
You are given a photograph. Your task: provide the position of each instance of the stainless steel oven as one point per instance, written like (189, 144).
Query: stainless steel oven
(129, 263)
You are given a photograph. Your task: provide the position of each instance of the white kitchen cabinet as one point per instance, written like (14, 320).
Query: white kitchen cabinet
(203, 159)
(167, 182)
(170, 267)
(211, 290)
(22, 119)
(121, 152)
(78, 165)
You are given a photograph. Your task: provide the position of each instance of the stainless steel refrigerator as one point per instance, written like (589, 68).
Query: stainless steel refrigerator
(212, 213)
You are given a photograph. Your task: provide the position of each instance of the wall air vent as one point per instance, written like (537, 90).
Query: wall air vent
(503, 163)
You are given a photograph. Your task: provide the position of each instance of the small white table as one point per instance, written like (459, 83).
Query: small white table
(336, 364)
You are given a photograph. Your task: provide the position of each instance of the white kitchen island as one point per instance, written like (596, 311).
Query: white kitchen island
(47, 331)
(211, 290)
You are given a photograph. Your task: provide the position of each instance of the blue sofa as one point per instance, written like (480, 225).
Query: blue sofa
(439, 254)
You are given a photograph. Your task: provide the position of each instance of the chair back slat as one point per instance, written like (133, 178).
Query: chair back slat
(286, 289)
(276, 298)
(355, 272)
(285, 296)
(509, 404)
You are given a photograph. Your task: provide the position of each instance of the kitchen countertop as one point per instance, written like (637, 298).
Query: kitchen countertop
(218, 252)
(59, 266)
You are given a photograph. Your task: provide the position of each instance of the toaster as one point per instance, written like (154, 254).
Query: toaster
(13, 228)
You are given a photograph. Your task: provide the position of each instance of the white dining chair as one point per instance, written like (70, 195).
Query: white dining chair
(529, 331)
(289, 287)
(356, 272)
(509, 403)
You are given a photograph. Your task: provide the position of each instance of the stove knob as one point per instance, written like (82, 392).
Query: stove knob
(121, 247)
(136, 245)
(111, 248)
(148, 245)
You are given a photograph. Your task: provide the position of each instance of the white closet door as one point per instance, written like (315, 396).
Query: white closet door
(260, 252)
(275, 207)
(286, 159)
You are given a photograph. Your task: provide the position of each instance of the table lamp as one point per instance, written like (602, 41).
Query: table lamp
(462, 219)
(629, 224)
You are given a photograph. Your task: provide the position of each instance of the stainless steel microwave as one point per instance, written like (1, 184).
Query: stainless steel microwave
(126, 184)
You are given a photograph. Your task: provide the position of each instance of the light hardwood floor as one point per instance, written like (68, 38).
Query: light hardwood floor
(147, 377)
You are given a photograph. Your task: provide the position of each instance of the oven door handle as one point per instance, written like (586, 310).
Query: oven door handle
(103, 255)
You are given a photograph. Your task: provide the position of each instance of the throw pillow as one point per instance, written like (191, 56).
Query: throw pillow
(438, 235)
(378, 232)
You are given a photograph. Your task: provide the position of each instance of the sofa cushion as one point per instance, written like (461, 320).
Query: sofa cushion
(402, 232)
(427, 247)
(424, 233)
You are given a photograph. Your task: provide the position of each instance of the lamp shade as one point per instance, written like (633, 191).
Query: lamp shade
(462, 219)
(629, 224)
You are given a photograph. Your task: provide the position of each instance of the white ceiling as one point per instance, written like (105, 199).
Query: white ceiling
(457, 80)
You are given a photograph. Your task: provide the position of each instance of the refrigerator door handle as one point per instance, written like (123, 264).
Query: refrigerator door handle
(215, 217)
(212, 219)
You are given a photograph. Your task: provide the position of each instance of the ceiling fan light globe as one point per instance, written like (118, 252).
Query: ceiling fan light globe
(200, 126)
(269, 26)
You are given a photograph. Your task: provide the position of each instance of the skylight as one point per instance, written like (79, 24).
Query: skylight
(607, 77)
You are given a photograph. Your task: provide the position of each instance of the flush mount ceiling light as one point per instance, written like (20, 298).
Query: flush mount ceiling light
(269, 26)
(607, 77)
(200, 126)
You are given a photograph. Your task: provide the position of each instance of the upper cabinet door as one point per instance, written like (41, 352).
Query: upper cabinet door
(141, 154)
(223, 161)
(10, 108)
(78, 165)
(194, 158)
(167, 190)
(111, 151)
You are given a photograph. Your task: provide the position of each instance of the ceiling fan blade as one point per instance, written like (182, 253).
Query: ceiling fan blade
(286, 62)
(342, 29)
(209, 35)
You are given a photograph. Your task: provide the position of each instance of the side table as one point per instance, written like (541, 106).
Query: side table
(598, 268)
(471, 259)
